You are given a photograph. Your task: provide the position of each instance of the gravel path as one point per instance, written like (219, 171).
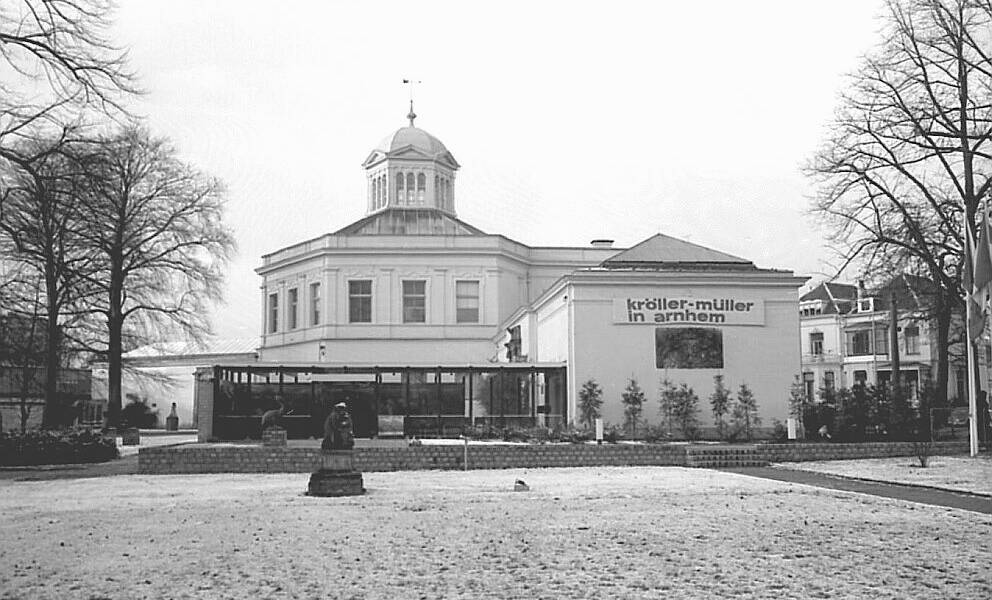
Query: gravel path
(579, 533)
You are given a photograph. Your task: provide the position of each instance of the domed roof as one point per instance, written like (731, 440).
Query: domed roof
(412, 136)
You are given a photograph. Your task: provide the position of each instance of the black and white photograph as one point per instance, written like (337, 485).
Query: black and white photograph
(495, 300)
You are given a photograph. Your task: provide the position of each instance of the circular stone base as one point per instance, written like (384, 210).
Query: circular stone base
(335, 483)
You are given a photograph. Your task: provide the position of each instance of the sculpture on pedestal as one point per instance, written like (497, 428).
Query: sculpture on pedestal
(338, 432)
(337, 475)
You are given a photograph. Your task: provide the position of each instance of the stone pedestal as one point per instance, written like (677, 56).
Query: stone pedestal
(274, 436)
(337, 475)
(131, 436)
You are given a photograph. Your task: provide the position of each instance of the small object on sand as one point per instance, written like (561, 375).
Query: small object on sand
(520, 486)
(414, 442)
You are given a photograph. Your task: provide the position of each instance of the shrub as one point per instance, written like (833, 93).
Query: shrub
(633, 403)
(590, 401)
(612, 434)
(745, 413)
(685, 411)
(923, 448)
(138, 414)
(654, 434)
(56, 447)
(720, 405)
(780, 433)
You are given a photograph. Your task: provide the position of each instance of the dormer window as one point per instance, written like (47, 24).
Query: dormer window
(421, 188)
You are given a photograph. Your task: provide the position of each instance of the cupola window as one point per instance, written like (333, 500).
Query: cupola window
(421, 188)
(411, 186)
(400, 189)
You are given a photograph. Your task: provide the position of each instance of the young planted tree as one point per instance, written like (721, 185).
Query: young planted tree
(158, 226)
(685, 411)
(590, 402)
(744, 416)
(633, 404)
(720, 405)
(908, 159)
(667, 397)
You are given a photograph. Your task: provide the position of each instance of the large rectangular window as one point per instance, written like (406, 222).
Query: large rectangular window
(809, 385)
(293, 304)
(360, 301)
(688, 348)
(816, 344)
(414, 301)
(273, 313)
(467, 301)
(828, 381)
(859, 342)
(315, 303)
(911, 334)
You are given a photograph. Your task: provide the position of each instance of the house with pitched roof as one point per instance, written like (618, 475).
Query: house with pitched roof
(847, 337)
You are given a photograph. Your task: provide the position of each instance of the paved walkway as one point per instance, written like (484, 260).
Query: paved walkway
(922, 495)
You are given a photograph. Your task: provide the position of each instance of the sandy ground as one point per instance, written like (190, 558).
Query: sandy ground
(579, 533)
(960, 473)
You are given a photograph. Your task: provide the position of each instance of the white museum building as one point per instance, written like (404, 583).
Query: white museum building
(412, 315)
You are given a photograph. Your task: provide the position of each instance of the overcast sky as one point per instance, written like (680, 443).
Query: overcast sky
(571, 120)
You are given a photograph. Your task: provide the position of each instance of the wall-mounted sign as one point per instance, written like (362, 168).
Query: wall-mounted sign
(688, 311)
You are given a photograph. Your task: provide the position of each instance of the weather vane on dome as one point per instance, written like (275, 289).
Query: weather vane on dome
(412, 115)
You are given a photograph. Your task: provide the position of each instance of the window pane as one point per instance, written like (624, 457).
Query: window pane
(467, 301)
(315, 304)
(273, 313)
(816, 343)
(360, 301)
(294, 297)
(414, 302)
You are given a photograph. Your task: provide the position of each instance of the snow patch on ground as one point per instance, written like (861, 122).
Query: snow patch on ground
(643, 532)
(959, 473)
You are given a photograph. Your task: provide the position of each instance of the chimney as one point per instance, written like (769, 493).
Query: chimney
(602, 243)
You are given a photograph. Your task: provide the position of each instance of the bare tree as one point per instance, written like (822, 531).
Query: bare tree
(22, 344)
(158, 226)
(58, 56)
(57, 68)
(907, 161)
(39, 225)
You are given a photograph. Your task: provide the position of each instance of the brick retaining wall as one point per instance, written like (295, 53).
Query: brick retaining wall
(222, 458)
(243, 458)
(826, 451)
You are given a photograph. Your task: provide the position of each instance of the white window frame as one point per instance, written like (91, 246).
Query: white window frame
(478, 302)
(370, 296)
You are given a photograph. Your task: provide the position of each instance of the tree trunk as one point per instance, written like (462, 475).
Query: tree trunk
(51, 415)
(115, 327)
(943, 315)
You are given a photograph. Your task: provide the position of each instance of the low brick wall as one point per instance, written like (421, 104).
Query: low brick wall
(222, 458)
(245, 458)
(827, 451)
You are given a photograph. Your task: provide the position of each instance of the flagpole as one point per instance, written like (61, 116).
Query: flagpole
(970, 346)
(972, 393)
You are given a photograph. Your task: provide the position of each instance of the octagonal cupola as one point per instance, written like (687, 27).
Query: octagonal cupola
(411, 168)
